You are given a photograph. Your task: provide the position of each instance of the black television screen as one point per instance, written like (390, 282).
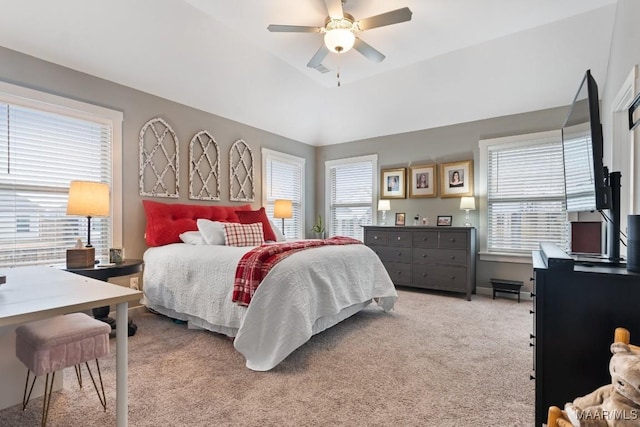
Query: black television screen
(586, 178)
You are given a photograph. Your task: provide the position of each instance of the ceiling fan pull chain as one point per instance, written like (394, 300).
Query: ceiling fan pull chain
(338, 72)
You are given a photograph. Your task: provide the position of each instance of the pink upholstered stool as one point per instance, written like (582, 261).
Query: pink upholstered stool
(49, 345)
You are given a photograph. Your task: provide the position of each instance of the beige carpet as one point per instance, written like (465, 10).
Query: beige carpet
(437, 360)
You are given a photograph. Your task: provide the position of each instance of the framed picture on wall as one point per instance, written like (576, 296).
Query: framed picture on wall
(392, 183)
(456, 179)
(423, 181)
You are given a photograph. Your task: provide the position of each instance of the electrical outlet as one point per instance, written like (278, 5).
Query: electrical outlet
(133, 283)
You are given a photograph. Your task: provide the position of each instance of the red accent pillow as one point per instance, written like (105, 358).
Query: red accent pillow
(166, 221)
(251, 217)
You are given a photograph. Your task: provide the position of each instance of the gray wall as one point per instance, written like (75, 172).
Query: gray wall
(138, 108)
(442, 145)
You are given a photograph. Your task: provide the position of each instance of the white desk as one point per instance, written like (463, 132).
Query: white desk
(33, 293)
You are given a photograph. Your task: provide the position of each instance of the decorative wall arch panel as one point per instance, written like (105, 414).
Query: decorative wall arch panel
(159, 160)
(241, 171)
(204, 167)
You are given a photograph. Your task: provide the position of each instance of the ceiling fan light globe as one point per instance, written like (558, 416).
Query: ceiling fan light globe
(339, 40)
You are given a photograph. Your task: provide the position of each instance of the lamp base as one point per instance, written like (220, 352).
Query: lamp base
(384, 217)
(467, 221)
(81, 258)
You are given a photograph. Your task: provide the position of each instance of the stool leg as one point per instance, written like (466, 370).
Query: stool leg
(103, 398)
(78, 370)
(47, 398)
(25, 397)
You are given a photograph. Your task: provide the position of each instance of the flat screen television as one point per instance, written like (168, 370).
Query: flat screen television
(586, 178)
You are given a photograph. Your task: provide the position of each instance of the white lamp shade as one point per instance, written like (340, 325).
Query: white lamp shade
(282, 209)
(339, 40)
(88, 199)
(468, 203)
(384, 205)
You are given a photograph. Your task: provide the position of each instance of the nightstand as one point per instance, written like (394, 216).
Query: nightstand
(129, 266)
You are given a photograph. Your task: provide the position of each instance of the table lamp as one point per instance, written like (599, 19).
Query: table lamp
(467, 204)
(282, 209)
(88, 199)
(384, 206)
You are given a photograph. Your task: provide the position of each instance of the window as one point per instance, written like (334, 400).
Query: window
(45, 142)
(524, 187)
(283, 178)
(350, 193)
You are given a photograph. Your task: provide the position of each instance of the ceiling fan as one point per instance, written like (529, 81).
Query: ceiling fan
(339, 32)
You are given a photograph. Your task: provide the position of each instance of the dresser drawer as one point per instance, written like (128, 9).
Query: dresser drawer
(425, 239)
(450, 278)
(389, 254)
(453, 239)
(375, 237)
(439, 256)
(400, 274)
(399, 238)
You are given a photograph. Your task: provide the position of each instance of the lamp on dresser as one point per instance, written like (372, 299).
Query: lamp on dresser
(384, 206)
(467, 204)
(88, 199)
(282, 209)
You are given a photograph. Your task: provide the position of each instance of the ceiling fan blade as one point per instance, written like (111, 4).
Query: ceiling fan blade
(389, 18)
(293, 29)
(367, 51)
(334, 7)
(316, 60)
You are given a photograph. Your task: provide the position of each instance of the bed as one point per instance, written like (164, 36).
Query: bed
(302, 295)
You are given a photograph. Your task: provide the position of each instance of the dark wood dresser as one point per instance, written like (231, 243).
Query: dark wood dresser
(442, 258)
(576, 308)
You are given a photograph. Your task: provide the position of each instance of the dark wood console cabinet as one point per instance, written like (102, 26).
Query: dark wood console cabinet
(576, 310)
(442, 258)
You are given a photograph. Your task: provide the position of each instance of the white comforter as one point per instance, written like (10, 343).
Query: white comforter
(304, 294)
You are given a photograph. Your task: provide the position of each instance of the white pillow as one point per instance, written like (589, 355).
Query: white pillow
(192, 238)
(279, 236)
(212, 231)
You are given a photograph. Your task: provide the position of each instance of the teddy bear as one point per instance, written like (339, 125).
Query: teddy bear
(616, 404)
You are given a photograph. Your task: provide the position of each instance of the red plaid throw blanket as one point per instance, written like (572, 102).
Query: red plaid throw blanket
(255, 264)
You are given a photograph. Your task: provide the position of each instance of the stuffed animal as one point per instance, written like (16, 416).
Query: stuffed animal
(616, 404)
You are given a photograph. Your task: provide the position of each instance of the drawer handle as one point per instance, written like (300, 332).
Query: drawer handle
(424, 255)
(452, 277)
(399, 253)
(399, 273)
(398, 237)
(375, 237)
(424, 239)
(452, 257)
(424, 274)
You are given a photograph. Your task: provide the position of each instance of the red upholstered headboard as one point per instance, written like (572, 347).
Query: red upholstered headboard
(165, 221)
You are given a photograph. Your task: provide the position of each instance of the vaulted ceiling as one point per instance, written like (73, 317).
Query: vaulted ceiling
(455, 61)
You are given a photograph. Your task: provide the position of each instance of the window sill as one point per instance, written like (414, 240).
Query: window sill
(505, 257)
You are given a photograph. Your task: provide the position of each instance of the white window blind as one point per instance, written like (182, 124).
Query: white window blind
(525, 195)
(351, 189)
(283, 178)
(40, 153)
